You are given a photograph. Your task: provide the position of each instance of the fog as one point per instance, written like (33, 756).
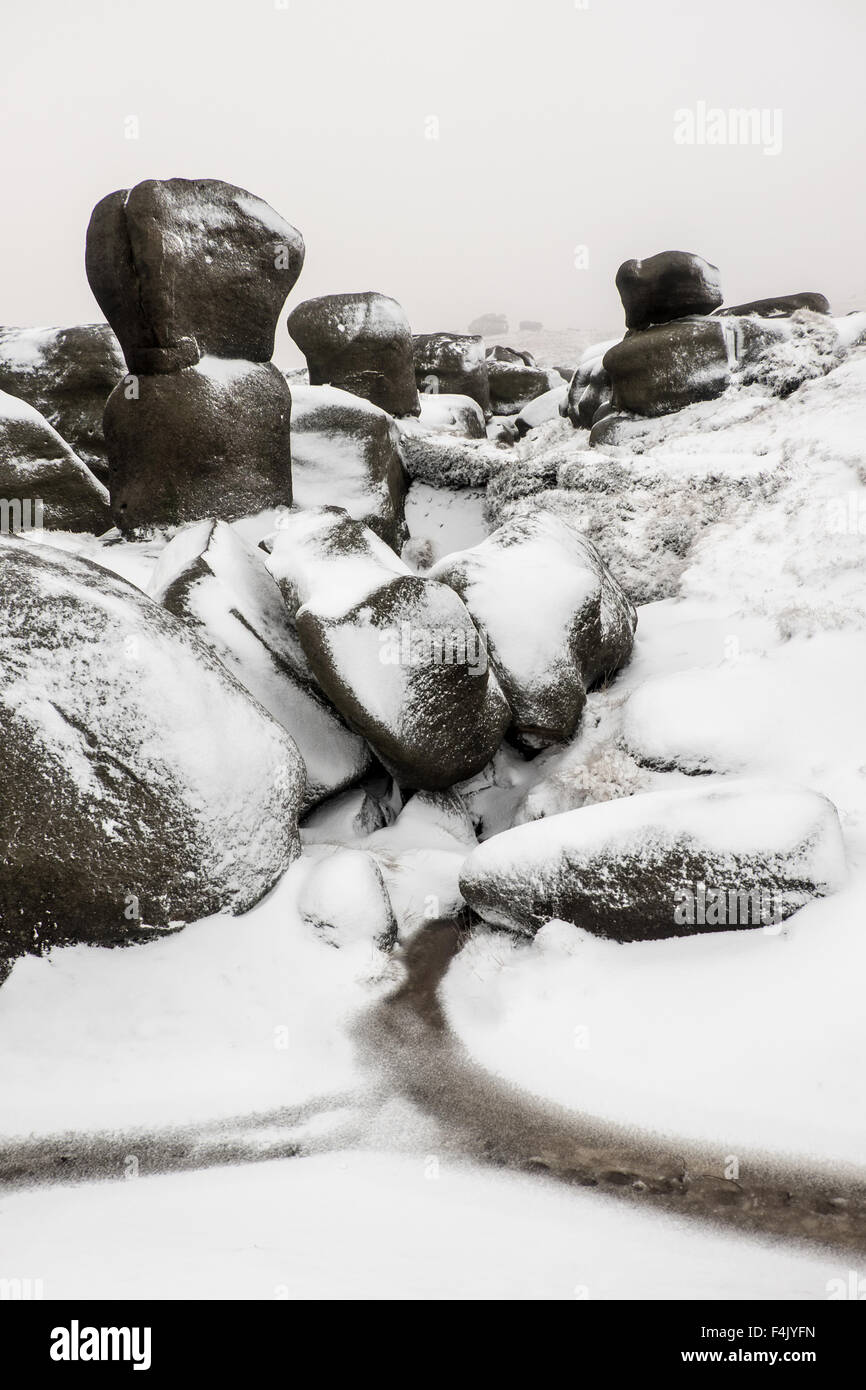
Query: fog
(482, 156)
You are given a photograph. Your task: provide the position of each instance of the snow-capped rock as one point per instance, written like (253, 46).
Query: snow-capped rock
(420, 856)
(211, 578)
(554, 618)
(210, 440)
(346, 453)
(720, 855)
(67, 374)
(42, 482)
(344, 897)
(667, 286)
(514, 384)
(444, 413)
(144, 787)
(186, 268)
(361, 343)
(545, 407)
(397, 654)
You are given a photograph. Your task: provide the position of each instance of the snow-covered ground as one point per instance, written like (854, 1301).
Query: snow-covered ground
(751, 661)
(371, 1225)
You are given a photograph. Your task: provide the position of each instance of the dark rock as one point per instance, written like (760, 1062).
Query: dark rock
(361, 343)
(453, 364)
(783, 306)
(210, 440)
(397, 654)
(513, 385)
(42, 482)
(676, 364)
(346, 453)
(186, 268)
(144, 788)
(662, 864)
(668, 286)
(588, 392)
(546, 654)
(67, 374)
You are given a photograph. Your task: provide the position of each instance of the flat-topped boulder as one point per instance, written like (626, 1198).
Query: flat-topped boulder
(720, 855)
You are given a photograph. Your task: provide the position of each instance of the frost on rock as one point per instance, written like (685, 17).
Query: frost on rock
(449, 460)
(554, 618)
(665, 863)
(397, 654)
(210, 577)
(145, 788)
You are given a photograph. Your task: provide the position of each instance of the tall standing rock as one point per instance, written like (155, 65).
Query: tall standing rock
(361, 343)
(192, 275)
(188, 268)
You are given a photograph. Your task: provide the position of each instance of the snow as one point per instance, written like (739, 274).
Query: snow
(230, 1016)
(344, 897)
(330, 575)
(367, 1225)
(447, 518)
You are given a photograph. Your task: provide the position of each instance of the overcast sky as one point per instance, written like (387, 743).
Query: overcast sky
(556, 130)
